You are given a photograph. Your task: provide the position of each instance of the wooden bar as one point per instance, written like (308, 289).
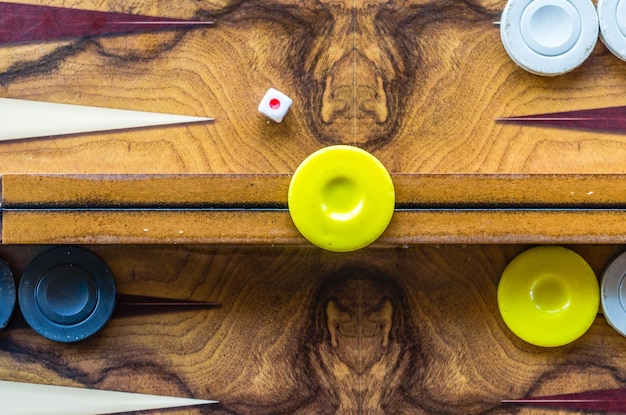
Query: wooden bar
(143, 190)
(274, 227)
(252, 209)
(412, 190)
(148, 227)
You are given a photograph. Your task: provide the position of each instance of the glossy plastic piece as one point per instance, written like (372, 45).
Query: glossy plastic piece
(67, 294)
(548, 296)
(549, 37)
(341, 198)
(612, 17)
(7, 294)
(613, 293)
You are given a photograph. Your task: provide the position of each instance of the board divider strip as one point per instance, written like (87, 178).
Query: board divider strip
(410, 227)
(257, 191)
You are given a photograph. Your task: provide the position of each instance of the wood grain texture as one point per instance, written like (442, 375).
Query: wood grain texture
(383, 330)
(301, 331)
(417, 82)
(271, 190)
(252, 209)
(275, 227)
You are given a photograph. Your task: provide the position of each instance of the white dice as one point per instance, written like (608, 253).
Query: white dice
(275, 105)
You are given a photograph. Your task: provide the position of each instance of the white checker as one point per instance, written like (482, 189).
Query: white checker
(613, 293)
(612, 15)
(549, 37)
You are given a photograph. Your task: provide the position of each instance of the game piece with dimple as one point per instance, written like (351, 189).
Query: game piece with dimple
(8, 295)
(612, 18)
(549, 37)
(275, 105)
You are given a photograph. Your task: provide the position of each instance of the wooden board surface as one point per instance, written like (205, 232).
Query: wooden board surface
(301, 331)
(248, 191)
(419, 83)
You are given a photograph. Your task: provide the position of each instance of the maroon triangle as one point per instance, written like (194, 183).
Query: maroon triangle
(611, 119)
(612, 400)
(29, 23)
(133, 305)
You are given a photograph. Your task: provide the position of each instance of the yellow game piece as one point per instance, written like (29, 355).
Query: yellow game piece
(341, 198)
(548, 296)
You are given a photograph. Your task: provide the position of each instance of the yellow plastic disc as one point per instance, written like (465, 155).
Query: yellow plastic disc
(548, 296)
(341, 198)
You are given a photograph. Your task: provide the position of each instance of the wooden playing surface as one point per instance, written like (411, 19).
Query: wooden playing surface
(417, 82)
(301, 331)
(401, 328)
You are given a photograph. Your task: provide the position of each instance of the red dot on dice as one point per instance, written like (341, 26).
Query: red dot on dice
(274, 104)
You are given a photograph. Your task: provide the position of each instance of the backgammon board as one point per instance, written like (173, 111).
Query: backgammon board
(199, 211)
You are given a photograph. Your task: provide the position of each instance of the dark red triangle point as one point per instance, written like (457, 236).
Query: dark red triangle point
(21, 23)
(610, 119)
(611, 400)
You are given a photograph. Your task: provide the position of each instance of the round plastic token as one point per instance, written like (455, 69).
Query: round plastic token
(548, 296)
(7, 294)
(67, 294)
(549, 37)
(612, 18)
(613, 293)
(341, 198)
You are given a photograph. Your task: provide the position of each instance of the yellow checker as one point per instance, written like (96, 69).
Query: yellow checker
(548, 296)
(341, 198)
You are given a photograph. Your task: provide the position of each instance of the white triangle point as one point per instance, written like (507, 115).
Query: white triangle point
(31, 119)
(19, 398)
